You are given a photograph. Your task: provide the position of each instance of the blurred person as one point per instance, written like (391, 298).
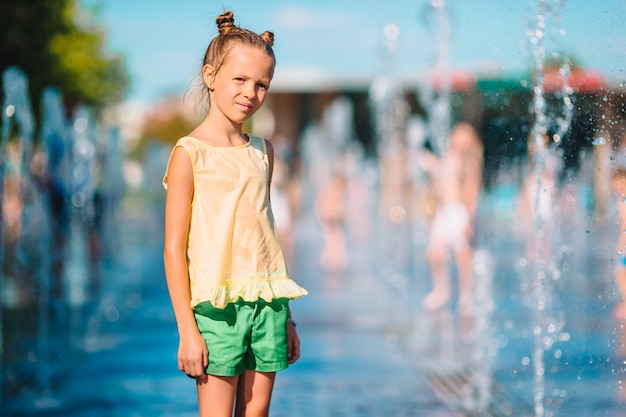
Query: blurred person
(281, 207)
(457, 187)
(602, 160)
(538, 199)
(357, 193)
(225, 270)
(13, 199)
(17, 289)
(330, 211)
(618, 181)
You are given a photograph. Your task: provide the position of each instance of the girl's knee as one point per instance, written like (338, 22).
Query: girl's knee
(254, 393)
(436, 255)
(216, 396)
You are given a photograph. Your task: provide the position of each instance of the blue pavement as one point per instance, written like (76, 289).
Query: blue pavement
(128, 362)
(367, 350)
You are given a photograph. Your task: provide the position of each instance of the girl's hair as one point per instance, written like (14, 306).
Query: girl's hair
(229, 36)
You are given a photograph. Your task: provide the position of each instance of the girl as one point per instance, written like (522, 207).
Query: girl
(225, 270)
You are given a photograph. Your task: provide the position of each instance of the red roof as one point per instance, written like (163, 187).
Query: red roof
(581, 80)
(460, 81)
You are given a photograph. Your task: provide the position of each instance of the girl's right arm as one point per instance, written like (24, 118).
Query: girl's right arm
(192, 350)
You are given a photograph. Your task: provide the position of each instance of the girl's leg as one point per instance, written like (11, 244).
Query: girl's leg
(216, 395)
(620, 279)
(438, 261)
(465, 268)
(254, 394)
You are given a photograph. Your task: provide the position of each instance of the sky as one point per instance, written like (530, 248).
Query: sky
(340, 41)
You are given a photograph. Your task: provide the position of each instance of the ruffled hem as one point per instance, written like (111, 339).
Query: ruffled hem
(220, 296)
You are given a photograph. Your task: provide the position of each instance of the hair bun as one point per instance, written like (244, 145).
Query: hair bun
(268, 37)
(225, 22)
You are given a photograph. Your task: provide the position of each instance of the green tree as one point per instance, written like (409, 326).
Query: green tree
(57, 43)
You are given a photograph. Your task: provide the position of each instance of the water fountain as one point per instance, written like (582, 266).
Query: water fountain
(436, 16)
(398, 136)
(544, 157)
(51, 127)
(394, 128)
(16, 115)
(390, 116)
(49, 219)
(30, 247)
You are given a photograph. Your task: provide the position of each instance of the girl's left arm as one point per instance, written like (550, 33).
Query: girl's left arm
(293, 341)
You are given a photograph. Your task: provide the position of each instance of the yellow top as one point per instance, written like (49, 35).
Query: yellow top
(233, 249)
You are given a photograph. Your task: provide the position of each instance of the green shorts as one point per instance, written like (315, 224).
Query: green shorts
(244, 335)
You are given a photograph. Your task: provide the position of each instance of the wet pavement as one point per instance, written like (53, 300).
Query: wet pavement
(126, 364)
(367, 349)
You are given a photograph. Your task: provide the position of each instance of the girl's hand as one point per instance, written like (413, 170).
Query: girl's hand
(193, 355)
(293, 343)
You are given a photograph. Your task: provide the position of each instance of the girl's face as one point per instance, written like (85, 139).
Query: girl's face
(239, 88)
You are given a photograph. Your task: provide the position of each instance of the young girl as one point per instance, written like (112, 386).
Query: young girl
(225, 270)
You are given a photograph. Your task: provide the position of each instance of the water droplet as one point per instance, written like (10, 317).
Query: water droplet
(397, 214)
(600, 140)
(391, 31)
(10, 110)
(112, 314)
(80, 124)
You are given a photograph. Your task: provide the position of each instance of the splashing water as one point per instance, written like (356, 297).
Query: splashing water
(436, 14)
(543, 160)
(54, 198)
(16, 110)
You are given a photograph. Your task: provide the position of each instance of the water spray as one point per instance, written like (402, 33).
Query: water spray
(542, 133)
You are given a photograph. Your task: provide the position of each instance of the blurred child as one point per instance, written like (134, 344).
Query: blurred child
(619, 187)
(458, 184)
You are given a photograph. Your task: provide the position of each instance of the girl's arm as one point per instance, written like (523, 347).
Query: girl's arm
(293, 341)
(192, 351)
(620, 247)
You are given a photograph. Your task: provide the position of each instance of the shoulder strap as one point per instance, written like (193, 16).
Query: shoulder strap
(188, 143)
